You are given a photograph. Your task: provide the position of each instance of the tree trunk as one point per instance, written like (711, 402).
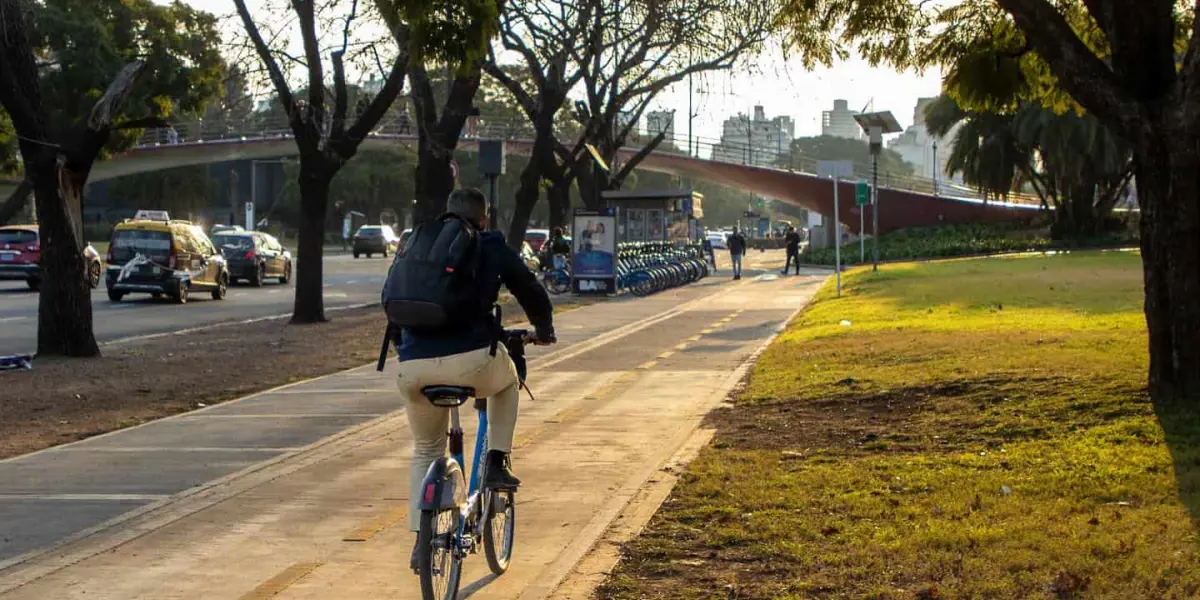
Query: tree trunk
(315, 177)
(1168, 175)
(65, 299)
(435, 181)
(16, 201)
(531, 182)
(559, 197)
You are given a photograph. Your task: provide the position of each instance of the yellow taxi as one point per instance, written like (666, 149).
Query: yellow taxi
(154, 254)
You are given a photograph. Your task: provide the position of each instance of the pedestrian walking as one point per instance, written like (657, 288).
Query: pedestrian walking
(737, 249)
(710, 254)
(793, 250)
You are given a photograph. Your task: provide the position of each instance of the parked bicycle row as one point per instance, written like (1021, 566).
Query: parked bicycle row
(645, 268)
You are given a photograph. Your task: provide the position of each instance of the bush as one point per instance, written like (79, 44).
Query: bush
(964, 240)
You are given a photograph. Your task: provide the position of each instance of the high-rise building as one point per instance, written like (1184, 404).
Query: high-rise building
(926, 152)
(755, 139)
(840, 122)
(661, 121)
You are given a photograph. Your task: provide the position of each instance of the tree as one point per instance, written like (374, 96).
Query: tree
(638, 49)
(80, 44)
(1076, 166)
(326, 138)
(450, 34)
(1135, 66)
(57, 167)
(543, 34)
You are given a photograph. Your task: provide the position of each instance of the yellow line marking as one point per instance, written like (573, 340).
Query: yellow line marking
(666, 354)
(273, 586)
(374, 526)
(648, 364)
(706, 332)
(682, 346)
(694, 338)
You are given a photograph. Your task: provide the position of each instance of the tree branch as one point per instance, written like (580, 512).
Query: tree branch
(1089, 81)
(16, 201)
(144, 123)
(264, 55)
(636, 159)
(312, 53)
(392, 86)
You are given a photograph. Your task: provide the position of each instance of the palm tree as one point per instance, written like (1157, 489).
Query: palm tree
(1077, 167)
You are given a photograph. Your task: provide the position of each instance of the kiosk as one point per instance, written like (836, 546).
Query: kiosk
(656, 215)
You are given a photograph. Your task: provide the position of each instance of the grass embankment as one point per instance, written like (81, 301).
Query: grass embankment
(979, 429)
(948, 241)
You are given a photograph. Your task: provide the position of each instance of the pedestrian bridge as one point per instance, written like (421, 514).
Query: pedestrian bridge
(905, 201)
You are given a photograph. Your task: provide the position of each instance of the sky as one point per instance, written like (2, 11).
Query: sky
(781, 86)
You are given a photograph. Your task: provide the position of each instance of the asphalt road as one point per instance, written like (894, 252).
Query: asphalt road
(348, 281)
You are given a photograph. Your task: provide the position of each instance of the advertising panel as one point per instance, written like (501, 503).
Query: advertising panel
(594, 257)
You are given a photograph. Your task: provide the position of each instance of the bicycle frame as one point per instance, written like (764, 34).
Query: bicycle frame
(472, 511)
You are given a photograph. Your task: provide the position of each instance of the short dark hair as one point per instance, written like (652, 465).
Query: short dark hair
(468, 203)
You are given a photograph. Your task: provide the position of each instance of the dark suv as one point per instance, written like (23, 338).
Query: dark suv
(375, 239)
(254, 256)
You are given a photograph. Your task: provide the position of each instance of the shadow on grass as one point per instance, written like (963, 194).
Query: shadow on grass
(1181, 428)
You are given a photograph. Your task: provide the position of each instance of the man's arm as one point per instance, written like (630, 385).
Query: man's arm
(530, 294)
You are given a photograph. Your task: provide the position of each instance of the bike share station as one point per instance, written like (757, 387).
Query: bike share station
(641, 240)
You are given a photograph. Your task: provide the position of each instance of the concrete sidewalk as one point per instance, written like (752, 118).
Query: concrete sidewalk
(300, 492)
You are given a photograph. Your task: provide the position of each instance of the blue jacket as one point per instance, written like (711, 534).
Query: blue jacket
(499, 265)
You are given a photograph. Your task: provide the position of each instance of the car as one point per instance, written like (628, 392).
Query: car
(21, 257)
(254, 256)
(153, 254)
(375, 239)
(224, 229)
(404, 235)
(536, 238)
(717, 239)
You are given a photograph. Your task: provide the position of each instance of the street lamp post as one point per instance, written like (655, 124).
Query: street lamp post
(936, 168)
(876, 124)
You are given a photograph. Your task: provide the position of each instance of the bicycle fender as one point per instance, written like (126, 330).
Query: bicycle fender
(444, 486)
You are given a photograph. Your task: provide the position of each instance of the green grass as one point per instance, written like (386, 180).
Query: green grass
(978, 429)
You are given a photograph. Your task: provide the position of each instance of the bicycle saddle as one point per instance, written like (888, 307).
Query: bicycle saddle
(448, 395)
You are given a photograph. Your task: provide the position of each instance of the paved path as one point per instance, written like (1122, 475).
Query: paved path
(300, 493)
(347, 282)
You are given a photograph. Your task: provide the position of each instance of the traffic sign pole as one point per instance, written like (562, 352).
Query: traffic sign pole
(837, 244)
(861, 198)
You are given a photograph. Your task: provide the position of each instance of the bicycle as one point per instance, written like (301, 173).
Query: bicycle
(558, 279)
(457, 517)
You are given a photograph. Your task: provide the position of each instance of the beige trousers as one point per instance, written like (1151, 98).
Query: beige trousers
(493, 377)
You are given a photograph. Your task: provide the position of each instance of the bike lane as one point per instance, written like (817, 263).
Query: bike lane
(257, 499)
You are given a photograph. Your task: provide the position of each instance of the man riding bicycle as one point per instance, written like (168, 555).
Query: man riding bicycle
(468, 355)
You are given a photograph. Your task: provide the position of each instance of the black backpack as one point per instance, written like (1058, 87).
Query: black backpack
(431, 286)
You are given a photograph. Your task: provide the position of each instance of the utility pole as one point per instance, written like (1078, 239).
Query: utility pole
(691, 114)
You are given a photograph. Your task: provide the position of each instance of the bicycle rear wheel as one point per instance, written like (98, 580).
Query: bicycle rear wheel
(499, 530)
(437, 564)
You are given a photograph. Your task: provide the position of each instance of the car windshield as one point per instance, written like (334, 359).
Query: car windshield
(127, 243)
(233, 242)
(18, 236)
(370, 232)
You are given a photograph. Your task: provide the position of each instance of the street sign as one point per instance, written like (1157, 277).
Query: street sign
(862, 193)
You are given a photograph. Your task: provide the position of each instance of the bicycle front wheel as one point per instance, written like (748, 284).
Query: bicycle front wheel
(499, 530)
(438, 565)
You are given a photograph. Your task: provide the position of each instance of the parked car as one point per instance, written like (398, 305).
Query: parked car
(224, 229)
(404, 235)
(153, 254)
(255, 257)
(536, 238)
(717, 239)
(375, 239)
(21, 257)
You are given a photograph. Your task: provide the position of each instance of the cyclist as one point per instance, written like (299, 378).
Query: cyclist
(557, 246)
(470, 355)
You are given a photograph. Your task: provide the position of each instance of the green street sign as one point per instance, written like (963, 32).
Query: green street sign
(862, 193)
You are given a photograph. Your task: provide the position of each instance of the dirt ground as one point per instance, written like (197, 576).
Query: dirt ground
(62, 401)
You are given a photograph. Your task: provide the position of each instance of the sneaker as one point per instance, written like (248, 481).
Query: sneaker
(499, 474)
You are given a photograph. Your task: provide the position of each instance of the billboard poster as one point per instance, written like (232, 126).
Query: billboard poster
(594, 255)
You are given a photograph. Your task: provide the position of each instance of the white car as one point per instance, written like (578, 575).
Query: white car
(717, 239)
